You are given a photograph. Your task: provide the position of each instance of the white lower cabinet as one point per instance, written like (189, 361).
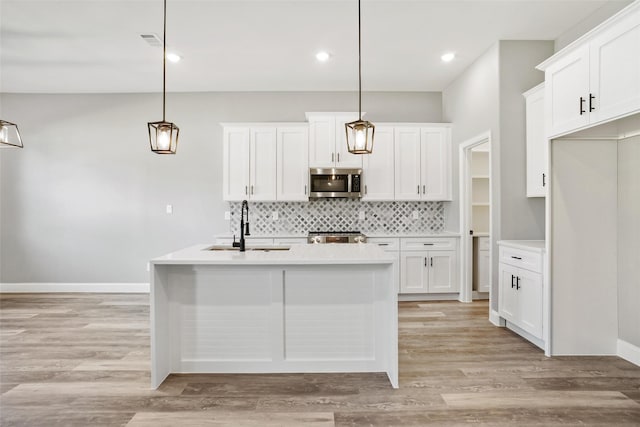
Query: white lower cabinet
(428, 265)
(521, 286)
(392, 246)
(481, 277)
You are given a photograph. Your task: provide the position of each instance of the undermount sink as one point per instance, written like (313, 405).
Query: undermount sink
(252, 248)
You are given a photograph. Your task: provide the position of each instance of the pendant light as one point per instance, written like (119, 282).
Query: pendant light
(9, 135)
(163, 135)
(360, 132)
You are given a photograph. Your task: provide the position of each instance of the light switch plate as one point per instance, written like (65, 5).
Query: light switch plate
(169, 209)
(274, 215)
(361, 216)
(415, 215)
(227, 215)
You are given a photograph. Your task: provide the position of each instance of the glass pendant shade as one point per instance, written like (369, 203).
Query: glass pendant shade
(9, 135)
(360, 136)
(163, 137)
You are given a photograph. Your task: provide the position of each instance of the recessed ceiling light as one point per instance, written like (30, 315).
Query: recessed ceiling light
(172, 57)
(323, 56)
(448, 57)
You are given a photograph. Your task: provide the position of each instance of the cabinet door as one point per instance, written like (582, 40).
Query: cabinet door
(483, 271)
(235, 163)
(536, 146)
(508, 299)
(263, 164)
(436, 164)
(293, 164)
(378, 167)
(322, 139)
(566, 83)
(530, 302)
(442, 272)
(407, 163)
(344, 159)
(615, 70)
(413, 272)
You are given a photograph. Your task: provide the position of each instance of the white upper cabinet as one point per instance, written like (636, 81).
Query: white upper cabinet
(615, 70)
(235, 163)
(262, 164)
(327, 141)
(378, 167)
(292, 164)
(436, 163)
(536, 143)
(597, 78)
(422, 163)
(407, 163)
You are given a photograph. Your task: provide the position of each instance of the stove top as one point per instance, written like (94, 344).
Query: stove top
(336, 237)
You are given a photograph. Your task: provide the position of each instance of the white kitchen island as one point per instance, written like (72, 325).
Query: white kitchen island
(313, 308)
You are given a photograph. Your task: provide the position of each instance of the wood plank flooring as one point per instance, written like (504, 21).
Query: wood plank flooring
(83, 360)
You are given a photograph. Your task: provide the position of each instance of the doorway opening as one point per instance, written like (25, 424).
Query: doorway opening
(475, 218)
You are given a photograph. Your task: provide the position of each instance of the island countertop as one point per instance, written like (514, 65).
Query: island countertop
(326, 254)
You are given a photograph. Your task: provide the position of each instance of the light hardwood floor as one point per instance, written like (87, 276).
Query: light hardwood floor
(83, 360)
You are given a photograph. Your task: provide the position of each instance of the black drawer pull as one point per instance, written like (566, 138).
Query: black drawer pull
(383, 244)
(515, 257)
(428, 244)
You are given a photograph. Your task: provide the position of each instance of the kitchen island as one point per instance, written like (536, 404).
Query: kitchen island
(309, 308)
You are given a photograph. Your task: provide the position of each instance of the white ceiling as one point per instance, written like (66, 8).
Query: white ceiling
(77, 46)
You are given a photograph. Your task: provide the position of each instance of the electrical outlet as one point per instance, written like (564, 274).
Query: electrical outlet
(415, 215)
(361, 216)
(274, 215)
(169, 209)
(227, 215)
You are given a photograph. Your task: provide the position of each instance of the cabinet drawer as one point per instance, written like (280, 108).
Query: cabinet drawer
(428, 243)
(385, 243)
(531, 261)
(483, 243)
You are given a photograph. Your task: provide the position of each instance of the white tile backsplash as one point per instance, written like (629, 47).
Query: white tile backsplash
(340, 215)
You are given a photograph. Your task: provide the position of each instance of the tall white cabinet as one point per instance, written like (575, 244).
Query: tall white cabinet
(537, 149)
(423, 163)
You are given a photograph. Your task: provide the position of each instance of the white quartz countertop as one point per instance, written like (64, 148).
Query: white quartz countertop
(326, 254)
(371, 235)
(528, 245)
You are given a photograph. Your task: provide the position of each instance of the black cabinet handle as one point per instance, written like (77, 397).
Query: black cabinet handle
(591, 98)
(512, 277)
(582, 106)
(515, 257)
(517, 282)
(383, 244)
(425, 261)
(431, 261)
(428, 244)
(544, 182)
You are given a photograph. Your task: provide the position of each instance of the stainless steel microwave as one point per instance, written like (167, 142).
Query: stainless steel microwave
(335, 182)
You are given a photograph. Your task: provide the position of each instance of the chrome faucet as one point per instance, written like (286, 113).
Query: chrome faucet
(244, 227)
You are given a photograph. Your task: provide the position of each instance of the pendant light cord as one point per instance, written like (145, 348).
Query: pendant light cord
(164, 60)
(359, 66)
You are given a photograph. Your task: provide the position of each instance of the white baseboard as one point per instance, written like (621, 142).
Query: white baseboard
(110, 288)
(494, 317)
(629, 352)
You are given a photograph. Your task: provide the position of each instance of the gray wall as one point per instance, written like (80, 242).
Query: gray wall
(629, 240)
(583, 238)
(593, 20)
(85, 200)
(521, 217)
(488, 97)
